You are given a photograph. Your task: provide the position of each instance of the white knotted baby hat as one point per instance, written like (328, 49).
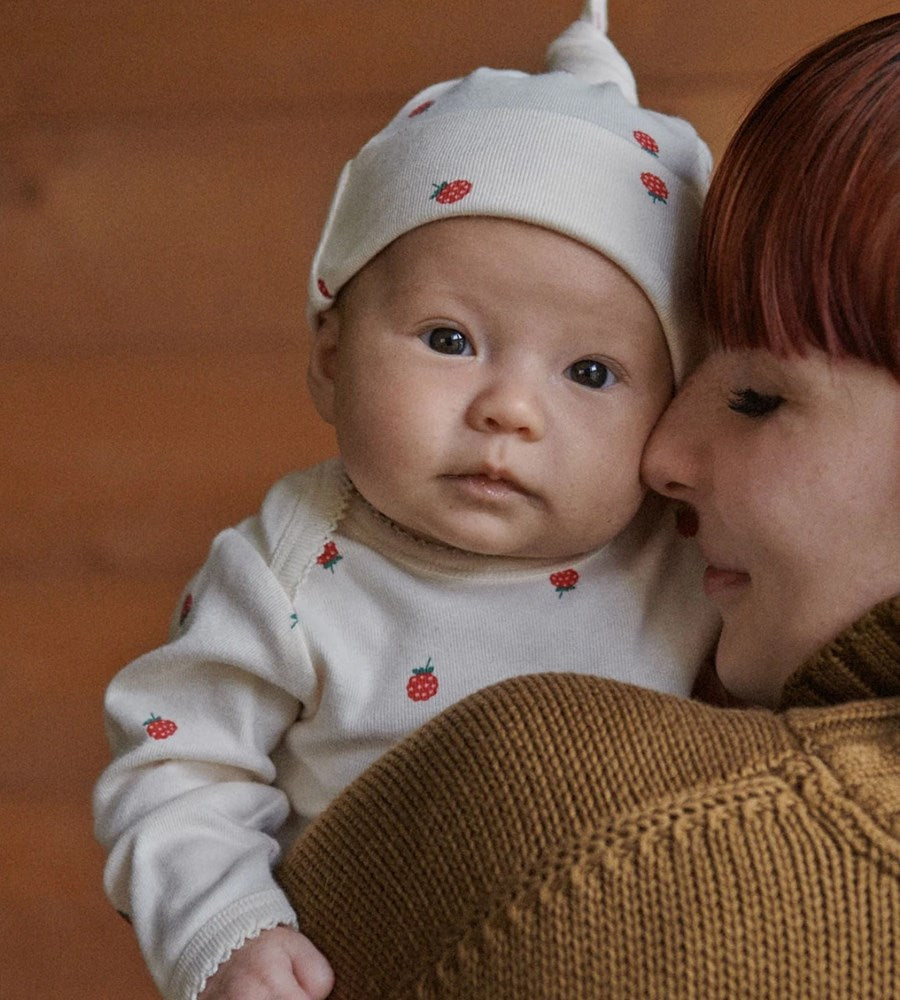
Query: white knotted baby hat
(569, 149)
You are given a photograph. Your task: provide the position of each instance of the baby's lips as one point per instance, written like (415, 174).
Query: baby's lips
(686, 522)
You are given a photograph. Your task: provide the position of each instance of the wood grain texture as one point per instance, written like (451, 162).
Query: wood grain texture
(164, 170)
(129, 466)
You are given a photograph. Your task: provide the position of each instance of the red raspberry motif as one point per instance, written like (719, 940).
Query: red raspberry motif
(158, 728)
(646, 142)
(655, 186)
(447, 192)
(424, 106)
(323, 288)
(564, 580)
(329, 556)
(423, 684)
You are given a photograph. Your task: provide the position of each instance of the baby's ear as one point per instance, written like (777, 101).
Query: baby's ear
(320, 374)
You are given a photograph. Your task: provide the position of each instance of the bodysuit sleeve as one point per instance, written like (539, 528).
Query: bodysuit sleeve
(187, 809)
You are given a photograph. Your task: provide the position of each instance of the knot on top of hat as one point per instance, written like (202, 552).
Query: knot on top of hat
(595, 13)
(585, 51)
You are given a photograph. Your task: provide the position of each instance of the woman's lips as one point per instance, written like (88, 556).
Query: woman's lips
(686, 522)
(718, 582)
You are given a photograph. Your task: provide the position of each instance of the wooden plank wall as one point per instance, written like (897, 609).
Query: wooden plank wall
(164, 169)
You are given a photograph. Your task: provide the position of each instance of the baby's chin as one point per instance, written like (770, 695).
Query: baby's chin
(498, 531)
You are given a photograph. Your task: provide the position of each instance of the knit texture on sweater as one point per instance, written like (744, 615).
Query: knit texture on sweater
(566, 836)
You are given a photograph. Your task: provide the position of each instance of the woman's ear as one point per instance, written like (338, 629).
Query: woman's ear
(321, 372)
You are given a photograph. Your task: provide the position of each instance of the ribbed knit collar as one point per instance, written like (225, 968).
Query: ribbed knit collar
(863, 662)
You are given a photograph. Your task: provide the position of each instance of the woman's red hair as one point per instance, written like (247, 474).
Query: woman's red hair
(799, 243)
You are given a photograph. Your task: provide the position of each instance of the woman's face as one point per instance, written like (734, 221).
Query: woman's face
(792, 466)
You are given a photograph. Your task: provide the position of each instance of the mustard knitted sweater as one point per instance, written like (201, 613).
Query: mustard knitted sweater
(565, 836)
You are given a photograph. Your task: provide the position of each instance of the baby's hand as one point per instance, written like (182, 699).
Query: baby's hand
(278, 965)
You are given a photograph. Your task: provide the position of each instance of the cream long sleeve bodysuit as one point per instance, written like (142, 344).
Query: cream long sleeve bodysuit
(315, 637)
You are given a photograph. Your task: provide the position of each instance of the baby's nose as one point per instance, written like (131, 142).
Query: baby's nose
(508, 407)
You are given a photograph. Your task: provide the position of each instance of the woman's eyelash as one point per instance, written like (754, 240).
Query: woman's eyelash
(751, 403)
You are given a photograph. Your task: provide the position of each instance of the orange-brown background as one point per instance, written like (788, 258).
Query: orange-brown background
(164, 168)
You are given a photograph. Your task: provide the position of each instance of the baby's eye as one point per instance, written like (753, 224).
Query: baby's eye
(446, 340)
(751, 403)
(591, 373)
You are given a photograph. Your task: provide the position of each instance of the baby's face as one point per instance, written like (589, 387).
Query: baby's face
(492, 385)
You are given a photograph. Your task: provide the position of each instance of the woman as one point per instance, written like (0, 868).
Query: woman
(565, 836)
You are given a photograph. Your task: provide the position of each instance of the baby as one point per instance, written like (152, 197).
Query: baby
(502, 305)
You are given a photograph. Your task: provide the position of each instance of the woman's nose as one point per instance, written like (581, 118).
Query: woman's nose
(670, 462)
(508, 406)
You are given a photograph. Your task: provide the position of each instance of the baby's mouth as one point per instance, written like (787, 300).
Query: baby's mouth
(490, 482)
